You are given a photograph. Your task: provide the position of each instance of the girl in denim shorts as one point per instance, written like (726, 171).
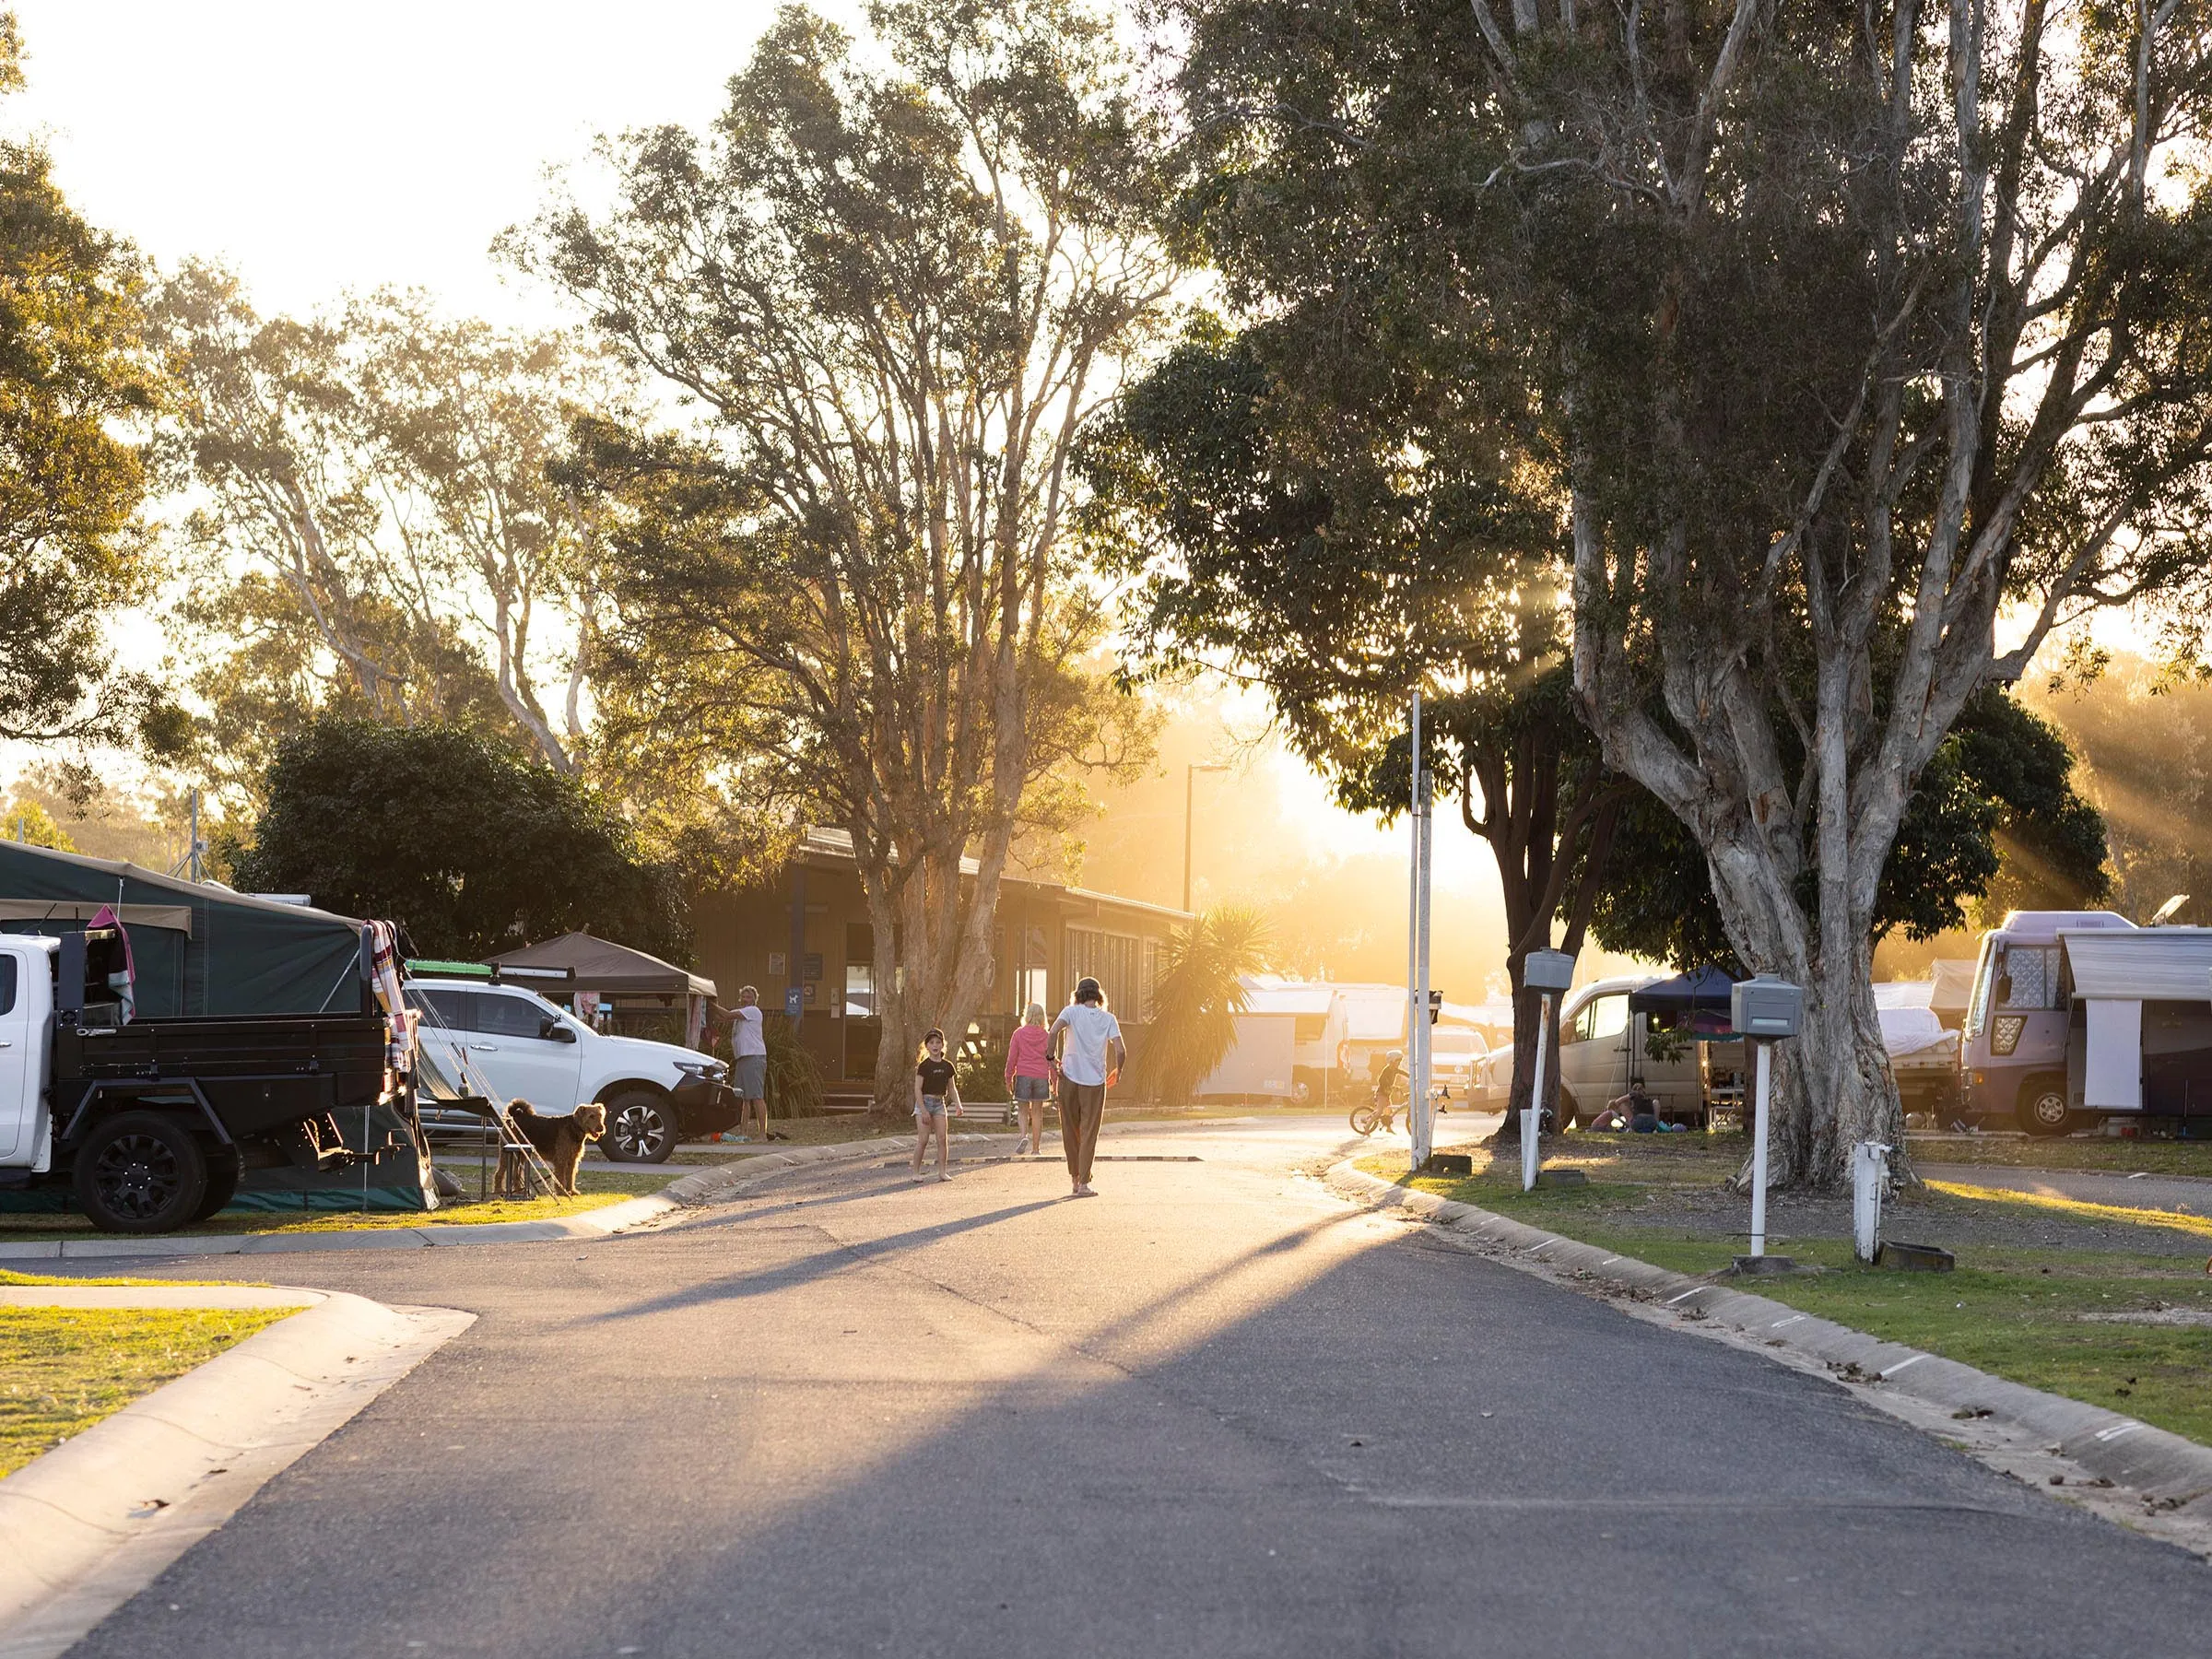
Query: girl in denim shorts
(936, 1096)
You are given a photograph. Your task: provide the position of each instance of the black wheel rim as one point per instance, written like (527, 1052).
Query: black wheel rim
(637, 1132)
(137, 1176)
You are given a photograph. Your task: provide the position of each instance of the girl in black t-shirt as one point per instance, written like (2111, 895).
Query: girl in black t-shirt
(936, 1096)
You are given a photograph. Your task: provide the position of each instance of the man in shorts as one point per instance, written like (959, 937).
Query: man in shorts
(1089, 1041)
(749, 1074)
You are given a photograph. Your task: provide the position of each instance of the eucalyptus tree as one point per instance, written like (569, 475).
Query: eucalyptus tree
(78, 391)
(894, 289)
(380, 528)
(1854, 331)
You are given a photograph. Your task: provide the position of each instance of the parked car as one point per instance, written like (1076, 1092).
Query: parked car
(509, 1043)
(1453, 1053)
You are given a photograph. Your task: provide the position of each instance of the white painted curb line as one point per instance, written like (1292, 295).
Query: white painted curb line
(2170, 1476)
(90, 1524)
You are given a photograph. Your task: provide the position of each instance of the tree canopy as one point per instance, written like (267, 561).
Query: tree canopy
(78, 390)
(382, 531)
(1826, 369)
(463, 840)
(895, 288)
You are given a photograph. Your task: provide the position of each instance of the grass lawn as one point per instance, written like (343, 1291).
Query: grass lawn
(2018, 1306)
(2067, 1152)
(62, 1369)
(599, 1189)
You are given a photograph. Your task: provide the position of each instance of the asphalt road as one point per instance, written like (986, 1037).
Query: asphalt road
(1214, 1411)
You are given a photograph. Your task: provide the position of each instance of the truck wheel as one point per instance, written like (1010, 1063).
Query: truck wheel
(640, 1127)
(2042, 1108)
(222, 1185)
(140, 1173)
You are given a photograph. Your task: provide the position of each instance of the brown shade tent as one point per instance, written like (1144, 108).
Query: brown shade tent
(609, 969)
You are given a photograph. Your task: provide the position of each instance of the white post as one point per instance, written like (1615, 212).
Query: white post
(1532, 1114)
(1424, 1107)
(1760, 1052)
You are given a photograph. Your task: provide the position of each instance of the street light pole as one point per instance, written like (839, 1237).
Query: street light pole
(1190, 774)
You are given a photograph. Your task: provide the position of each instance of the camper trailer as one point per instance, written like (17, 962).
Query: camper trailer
(2012, 1052)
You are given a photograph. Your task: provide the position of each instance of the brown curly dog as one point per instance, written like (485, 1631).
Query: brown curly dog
(560, 1140)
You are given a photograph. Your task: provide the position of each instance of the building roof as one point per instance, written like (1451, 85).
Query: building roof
(835, 846)
(602, 965)
(2149, 964)
(1266, 994)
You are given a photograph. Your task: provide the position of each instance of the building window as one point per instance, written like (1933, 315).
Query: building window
(1113, 960)
(860, 971)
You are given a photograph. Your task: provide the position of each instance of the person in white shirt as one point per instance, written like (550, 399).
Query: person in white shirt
(1088, 1039)
(748, 1050)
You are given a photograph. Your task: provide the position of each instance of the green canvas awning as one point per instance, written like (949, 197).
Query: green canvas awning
(198, 949)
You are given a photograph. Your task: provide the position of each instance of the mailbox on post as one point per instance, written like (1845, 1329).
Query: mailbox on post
(1763, 1009)
(1548, 973)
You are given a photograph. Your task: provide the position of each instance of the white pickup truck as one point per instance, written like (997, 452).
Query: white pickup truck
(508, 1043)
(151, 1122)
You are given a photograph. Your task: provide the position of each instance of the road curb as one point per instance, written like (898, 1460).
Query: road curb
(87, 1525)
(712, 1185)
(702, 1187)
(2168, 1474)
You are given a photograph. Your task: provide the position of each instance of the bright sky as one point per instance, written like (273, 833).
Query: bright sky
(320, 146)
(317, 149)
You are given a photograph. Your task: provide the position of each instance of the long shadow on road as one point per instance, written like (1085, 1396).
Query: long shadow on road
(1336, 1439)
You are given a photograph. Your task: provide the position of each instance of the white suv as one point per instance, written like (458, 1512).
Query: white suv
(508, 1043)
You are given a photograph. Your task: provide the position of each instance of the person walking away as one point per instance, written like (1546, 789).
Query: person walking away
(748, 1049)
(1030, 1076)
(1089, 1041)
(936, 1095)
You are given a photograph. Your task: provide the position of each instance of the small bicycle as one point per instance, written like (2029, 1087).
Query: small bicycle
(1373, 1114)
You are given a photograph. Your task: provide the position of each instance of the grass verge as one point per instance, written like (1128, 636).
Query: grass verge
(2108, 1326)
(2068, 1152)
(596, 1193)
(62, 1369)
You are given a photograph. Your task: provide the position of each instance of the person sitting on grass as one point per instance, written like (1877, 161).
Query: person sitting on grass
(936, 1096)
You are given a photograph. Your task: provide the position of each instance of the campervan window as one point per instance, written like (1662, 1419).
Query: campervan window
(2026, 977)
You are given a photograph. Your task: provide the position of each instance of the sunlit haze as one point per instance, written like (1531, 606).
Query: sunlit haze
(322, 149)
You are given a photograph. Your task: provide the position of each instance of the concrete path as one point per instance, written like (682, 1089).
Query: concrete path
(2190, 1193)
(1213, 1411)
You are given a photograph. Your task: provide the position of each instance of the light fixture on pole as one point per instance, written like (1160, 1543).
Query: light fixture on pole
(1761, 1011)
(1548, 973)
(1190, 774)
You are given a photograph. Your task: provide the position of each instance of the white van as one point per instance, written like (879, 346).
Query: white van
(508, 1043)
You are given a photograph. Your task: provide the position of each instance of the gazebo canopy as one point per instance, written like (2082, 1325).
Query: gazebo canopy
(608, 968)
(1700, 991)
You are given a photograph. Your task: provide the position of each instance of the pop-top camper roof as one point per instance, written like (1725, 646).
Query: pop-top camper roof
(196, 948)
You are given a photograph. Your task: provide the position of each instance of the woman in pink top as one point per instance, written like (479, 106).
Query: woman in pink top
(1030, 1076)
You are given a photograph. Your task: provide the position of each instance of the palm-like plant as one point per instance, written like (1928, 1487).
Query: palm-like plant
(1197, 998)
